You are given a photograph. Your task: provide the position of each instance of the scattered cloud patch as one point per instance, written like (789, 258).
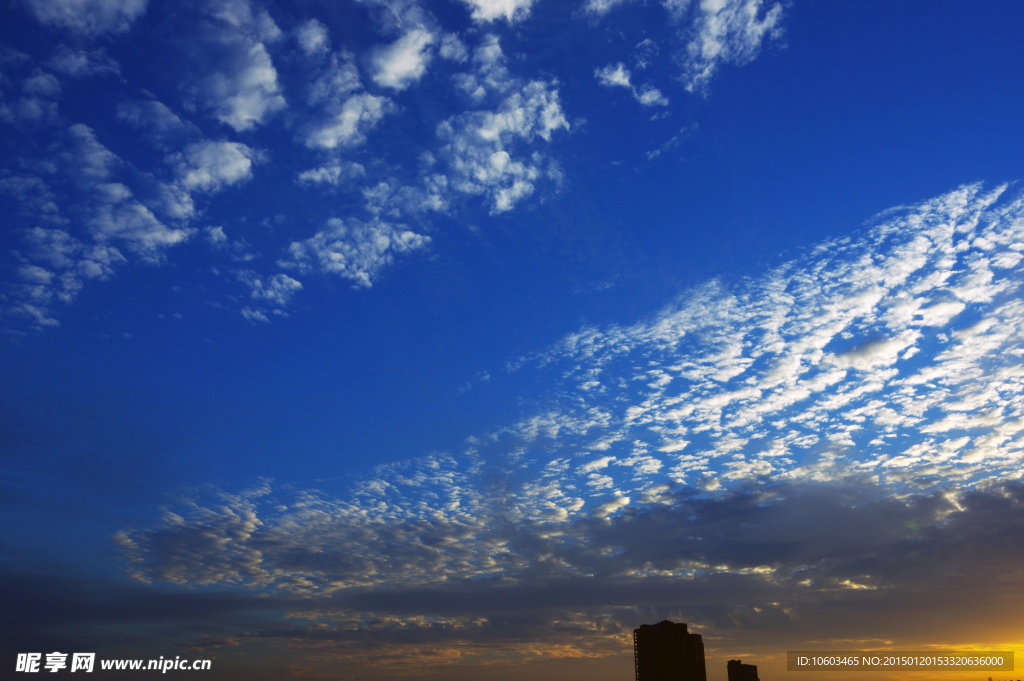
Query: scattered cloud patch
(348, 126)
(619, 76)
(32, 104)
(241, 89)
(115, 213)
(332, 174)
(211, 166)
(42, 84)
(453, 49)
(83, 63)
(357, 251)
(724, 32)
(479, 145)
(645, 52)
(602, 7)
(254, 315)
(118, 212)
(160, 125)
(614, 76)
(206, 167)
(89, 17)
(511, 11)
(313, 37)
(277, 290)
(402, 63)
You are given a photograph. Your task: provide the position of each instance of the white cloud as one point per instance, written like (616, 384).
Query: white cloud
(609, 508)
(37, 104)
(119, 216)
(244, 18)
(492, 10)
(242, 88)
(400, 64)
(42, 84)
(348, 126)
(88, 161)
(614, 76)
(210, 166)
(313, 37)
(162, 127)
(83, 63)
(878, 353)
(819, 350)
(394, 200)
(30, 110)
(347, 113)
(860, 460)
(206, 167)
(619, 76)
(645, 52)
(725, 32)
(70, 263)
(216, 235)
(35, 196)
(602, 7)
(253, 316)
(648, 95)
(596, 464)
(277, 290)
(479, 145)
(115, 213)
(338, 81)
(452, 48)
(119, 212)
(354, 250)
(677, 8)
(333, 173)
(89, 17)
(245, 92)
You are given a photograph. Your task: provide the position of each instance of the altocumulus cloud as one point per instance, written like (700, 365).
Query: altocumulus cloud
(790, 458)
(103, 209)
(251, 87)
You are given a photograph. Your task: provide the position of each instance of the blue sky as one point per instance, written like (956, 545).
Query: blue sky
(477, 333)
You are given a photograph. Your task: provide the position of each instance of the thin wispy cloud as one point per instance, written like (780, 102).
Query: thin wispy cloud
(90, 17)
(82, 63)
(723, 32)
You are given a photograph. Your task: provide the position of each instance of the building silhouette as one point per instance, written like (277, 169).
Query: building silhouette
(742, 672)
(667, 652)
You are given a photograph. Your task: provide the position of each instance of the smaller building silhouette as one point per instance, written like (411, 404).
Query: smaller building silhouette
(742, 672)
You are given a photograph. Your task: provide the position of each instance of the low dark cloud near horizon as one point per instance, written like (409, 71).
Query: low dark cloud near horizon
(782, 565)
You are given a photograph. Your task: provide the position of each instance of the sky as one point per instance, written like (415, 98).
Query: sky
(390, 339)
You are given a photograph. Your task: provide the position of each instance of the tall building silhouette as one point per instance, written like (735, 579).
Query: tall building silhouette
(667, 652)
(741, 672)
